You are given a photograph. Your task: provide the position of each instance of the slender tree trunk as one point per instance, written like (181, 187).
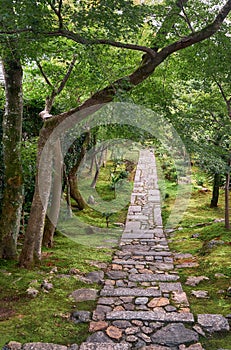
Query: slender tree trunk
(98, 165)
(227, 217)
(72, 176)
(74, 191)
(68, 192)
(215, 194)
(53, 212)
(12, 130)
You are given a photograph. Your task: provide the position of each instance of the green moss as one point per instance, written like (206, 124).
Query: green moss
(46, 318)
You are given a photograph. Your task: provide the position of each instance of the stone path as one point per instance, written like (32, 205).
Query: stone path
(142, 304)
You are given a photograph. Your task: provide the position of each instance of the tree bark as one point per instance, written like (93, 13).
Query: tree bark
(215, 194)
(12, 132)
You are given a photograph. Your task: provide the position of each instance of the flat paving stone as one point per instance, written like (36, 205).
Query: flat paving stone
(174, 335)
(104, 346)
(146, 277)
(137, 292)
(150, 316)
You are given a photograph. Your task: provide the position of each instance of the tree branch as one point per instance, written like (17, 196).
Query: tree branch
(67, 75)
(198, 36)
(44, 74)
(58, 13)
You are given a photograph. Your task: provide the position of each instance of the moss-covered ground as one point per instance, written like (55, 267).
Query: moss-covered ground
(200, 225)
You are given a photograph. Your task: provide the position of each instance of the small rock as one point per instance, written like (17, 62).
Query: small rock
(220, 275)
(91, 200)
(203, 294)
(74, 271)
(121, 324)
(32, 292)
(99, 337)
(196, 346)
(131, 338)
(199, 330)
(170, 308)
(95, 276)
(131, 330)
(13, 345)
(54, 270)
(81, 316)
(141, 300)
(73, 347)
(213, 323)
(158, 302)
(194, 280)
(114, 332)
(98, 326)
(46, 285)
(84, 294)
(229, 292)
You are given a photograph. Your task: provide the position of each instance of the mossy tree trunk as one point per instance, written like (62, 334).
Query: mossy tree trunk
(12, 130)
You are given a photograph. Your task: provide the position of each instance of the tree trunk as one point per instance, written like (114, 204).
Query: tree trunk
(35, 227)
(215, 194)
(53, 212)
(12, 131)
(227, 182)
(74, 191)
(72, 176)
(98, 165)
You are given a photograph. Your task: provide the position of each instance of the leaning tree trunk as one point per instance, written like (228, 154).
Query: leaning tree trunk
(56, 192)
(215, 194)
(12, 129)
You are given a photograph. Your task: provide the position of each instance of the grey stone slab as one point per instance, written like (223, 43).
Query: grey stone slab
(145, 277)
(213, 323)
(138, 292)
(170, 287)
(174, 335)
(132, 226)
(138, 235)
(150, 316)
(104, 346)
(153, 253)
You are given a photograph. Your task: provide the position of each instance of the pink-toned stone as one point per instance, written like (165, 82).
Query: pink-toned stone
(118, 308)
(145, 271)
(97, 326)
(114, 332)
(158, 302)
(196, 346)
(116, 267)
